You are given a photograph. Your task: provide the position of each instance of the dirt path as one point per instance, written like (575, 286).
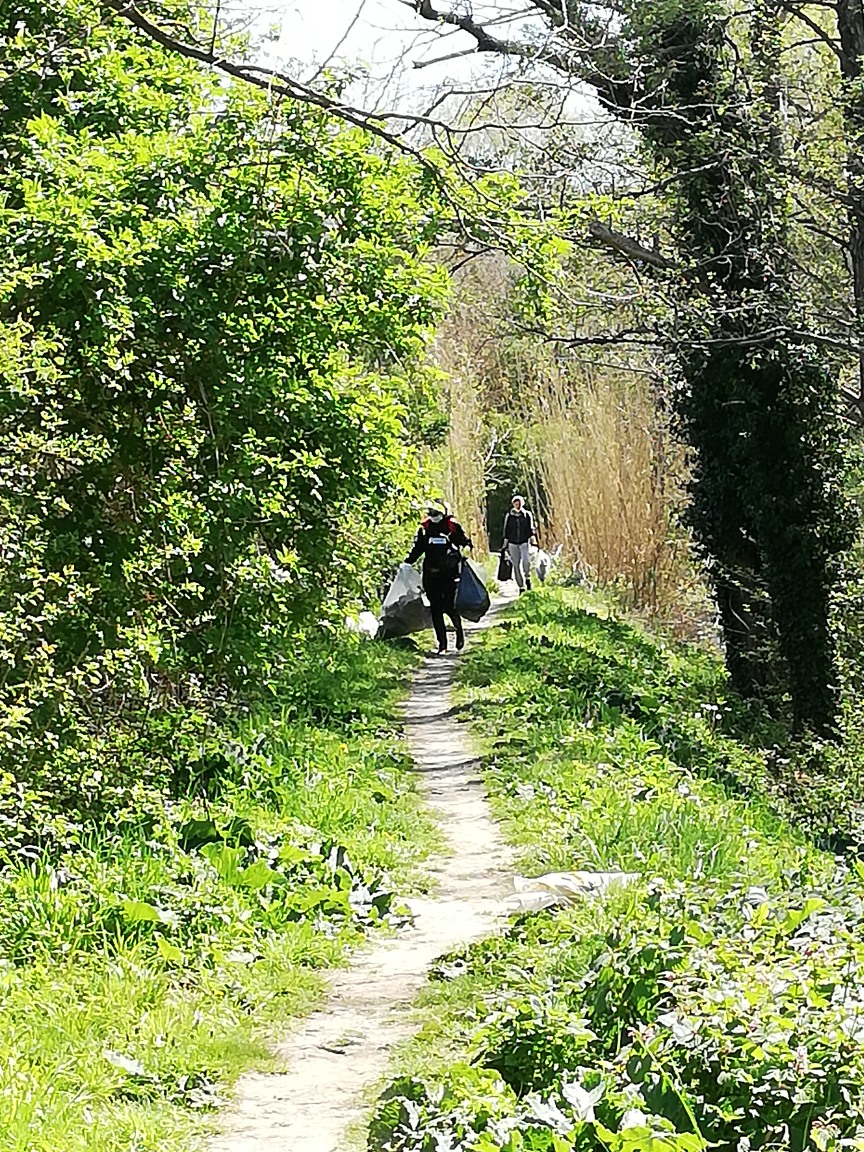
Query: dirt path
(338, 1053)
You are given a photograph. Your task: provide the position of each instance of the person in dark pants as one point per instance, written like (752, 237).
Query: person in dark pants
(438, 541)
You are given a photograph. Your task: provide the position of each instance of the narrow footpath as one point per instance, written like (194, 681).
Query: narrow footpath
(338, 1054)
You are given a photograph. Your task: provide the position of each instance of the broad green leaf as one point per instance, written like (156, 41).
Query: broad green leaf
(169, 951)
(257, 875)
(139, 912)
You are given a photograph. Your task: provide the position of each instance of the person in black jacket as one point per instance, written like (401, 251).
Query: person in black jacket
(518, 534)
(438, 541)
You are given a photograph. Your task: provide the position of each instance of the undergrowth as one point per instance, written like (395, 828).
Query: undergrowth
(146, 950)
(718, 1001)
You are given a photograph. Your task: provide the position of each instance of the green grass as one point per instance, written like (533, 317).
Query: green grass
(717, 995)
(142, 969)
(603, 752)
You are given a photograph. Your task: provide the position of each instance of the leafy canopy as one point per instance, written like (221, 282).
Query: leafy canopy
(212, 316)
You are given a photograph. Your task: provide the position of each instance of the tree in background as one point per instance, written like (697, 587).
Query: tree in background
(702, 83)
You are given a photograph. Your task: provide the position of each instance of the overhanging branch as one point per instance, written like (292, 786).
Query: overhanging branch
(626, 246)
(268, 79)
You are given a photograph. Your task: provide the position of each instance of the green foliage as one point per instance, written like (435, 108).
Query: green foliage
(411, 1116)
(212, 312)
(714, 1004)
(213, 317)
(143, 961)
(667, 707)
(532, 1042)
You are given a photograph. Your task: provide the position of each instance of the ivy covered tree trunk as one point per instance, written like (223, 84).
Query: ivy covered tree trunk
(768, 510)
(850, 29)
(758, 403)
(715, 425)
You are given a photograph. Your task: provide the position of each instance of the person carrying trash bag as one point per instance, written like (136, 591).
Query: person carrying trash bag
(518, 535)
(438, 541)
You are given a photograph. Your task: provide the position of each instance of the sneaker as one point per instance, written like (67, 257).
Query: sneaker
(528, 583)
(460, 643)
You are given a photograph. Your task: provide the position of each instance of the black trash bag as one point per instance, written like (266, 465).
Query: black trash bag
(505, 566)
(410, 616)
(472, 599)
(404, 609)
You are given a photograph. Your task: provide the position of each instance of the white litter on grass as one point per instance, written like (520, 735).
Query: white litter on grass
(366, 623)
(535, 893)
(542, 561)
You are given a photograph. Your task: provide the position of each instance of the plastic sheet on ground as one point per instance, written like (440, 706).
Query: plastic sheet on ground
(542, 562)
(535, 893)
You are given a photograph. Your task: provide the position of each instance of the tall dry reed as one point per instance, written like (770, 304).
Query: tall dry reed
(588, 443)
(612, 478)
(461, 354)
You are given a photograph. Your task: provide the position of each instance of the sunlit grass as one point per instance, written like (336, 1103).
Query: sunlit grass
(579, 784)
(123, 1035)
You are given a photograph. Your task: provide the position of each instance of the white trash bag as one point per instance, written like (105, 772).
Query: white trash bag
(535, 893)
(406, 585)
(404, 610)
(542, 562)
(366, 624)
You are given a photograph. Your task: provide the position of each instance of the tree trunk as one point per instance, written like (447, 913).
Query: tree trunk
(850, 26)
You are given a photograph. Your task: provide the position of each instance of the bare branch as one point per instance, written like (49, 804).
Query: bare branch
(486, 42)
(417, 64)
(822, 35)
(322, 68)
(632, 249)
(269, 79)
